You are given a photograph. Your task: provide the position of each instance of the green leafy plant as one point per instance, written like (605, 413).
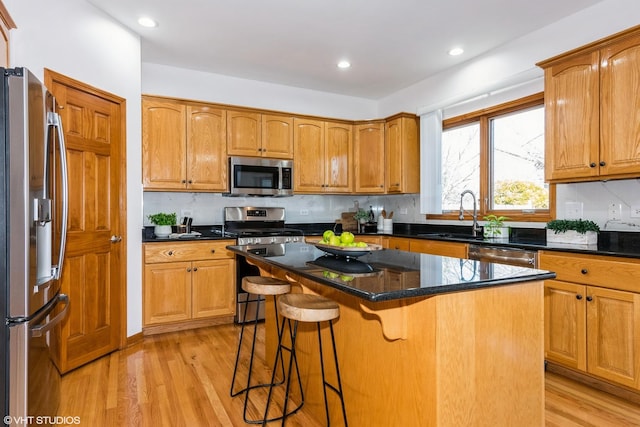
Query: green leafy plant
(163, 218)
(494, 224)
(361, 214)
(579, 225)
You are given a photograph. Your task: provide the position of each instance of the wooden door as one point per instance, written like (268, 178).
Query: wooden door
(339, 157)
(277, 136)
(435, 247)
(309, 159)
(572, 116)
(565, 323)
(206, 151)
(368, 157)
(167, 292)
(164, 144)
(94, 274)
(620, 107)
(213, 288)
(244, 134)
(613, 335)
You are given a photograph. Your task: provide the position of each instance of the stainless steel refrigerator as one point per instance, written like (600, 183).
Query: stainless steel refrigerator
(33, 226)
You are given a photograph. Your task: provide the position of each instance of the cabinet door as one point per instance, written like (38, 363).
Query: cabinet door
(244, 134)
(214, 288)
(572, 113)
(206, 148)
(398, 243)
(309, 159)
(435, 247)
(564, 324)
(402, 153)
(167, 293)
(620, 107)
(277, 136)
(613, 335)
(338, 158)
(369, 158)
(164, 140)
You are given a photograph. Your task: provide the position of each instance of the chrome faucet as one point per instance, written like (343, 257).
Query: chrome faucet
(475, 228)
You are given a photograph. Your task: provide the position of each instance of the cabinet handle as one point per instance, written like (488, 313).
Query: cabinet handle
(593, 165)
(584, 271)
(188, 269)
(195, 268)
(190, 182)
(184, 181)
(589, 298)
(213, 251)
(602, 163)
(170, 253)
(578, 297)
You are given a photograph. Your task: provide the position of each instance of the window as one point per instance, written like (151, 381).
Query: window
(498, 153)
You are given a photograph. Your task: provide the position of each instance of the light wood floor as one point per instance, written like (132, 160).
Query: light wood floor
(183, 379)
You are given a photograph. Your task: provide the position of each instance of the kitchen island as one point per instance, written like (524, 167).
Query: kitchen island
(423, 340)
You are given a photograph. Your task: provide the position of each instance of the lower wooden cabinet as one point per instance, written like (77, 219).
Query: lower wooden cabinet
(590, 324)
(438, 247)
(188, 281)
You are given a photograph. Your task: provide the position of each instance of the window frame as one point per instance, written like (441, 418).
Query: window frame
(483, 117)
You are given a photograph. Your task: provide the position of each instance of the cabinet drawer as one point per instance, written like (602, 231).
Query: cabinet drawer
(187, 251)
(607, 272)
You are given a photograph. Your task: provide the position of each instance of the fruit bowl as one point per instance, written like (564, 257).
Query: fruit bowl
(347, 251)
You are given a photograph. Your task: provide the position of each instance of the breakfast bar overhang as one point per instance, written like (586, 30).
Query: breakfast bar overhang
(423, 340)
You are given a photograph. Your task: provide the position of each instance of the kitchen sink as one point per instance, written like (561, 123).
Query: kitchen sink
(452, 236)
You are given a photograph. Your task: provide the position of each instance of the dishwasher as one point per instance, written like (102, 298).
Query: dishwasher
(504, 255)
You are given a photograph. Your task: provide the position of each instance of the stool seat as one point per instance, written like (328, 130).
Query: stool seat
(259, 285)
(308, 308)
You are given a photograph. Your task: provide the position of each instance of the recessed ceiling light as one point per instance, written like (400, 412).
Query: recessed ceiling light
(456, 51)
(344, 64)
(145, 21)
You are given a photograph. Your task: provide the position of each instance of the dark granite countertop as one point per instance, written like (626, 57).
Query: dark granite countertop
(388, 274)
(612, 243)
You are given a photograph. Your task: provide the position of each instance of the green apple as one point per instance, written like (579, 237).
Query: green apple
(327, 235)
(361, 244)
(334, 240)
(347, 237)
(346, 278)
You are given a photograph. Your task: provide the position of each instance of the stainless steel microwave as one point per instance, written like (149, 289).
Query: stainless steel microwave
(257, 176)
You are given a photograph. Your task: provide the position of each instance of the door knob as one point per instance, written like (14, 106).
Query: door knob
(116, 239)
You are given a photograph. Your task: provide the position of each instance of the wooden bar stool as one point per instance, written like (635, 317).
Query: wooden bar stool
(306, 308)
(257, 285)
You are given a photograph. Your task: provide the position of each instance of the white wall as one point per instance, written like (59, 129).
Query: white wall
(182, 83)
(75, 39)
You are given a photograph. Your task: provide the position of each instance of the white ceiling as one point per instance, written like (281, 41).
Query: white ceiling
(391, 44)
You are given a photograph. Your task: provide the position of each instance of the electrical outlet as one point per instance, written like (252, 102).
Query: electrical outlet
(635, 211)
(304, 211)
(186, 212)
(403, 211)
(615, 211)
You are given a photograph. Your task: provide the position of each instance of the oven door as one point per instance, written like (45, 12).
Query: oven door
(247, 304)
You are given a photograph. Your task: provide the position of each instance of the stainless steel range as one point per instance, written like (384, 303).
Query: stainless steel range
(263, 230)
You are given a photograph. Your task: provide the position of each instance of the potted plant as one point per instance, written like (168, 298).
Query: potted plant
(572, 231)
(163, 223)
(361, 217)
(494, 227)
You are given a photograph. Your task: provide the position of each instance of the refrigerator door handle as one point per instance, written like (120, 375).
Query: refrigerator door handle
(39, 331)
(53, 119)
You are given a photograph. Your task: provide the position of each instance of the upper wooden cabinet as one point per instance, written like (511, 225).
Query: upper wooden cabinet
(592, 131)
(259, 135)
(402, 153)
(183, 146)
(369, 158)
(322, 156)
